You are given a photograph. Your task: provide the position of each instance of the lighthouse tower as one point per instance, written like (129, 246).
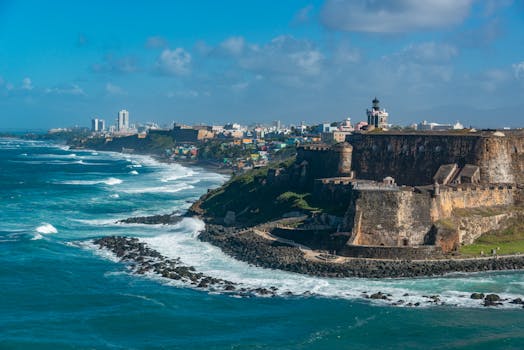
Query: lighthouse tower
(376, 116)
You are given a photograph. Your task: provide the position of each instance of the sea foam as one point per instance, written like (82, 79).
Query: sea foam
(46, 228)
(109, 181)
(210, 260)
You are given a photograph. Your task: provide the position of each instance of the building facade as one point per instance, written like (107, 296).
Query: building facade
(377, 117)
(123, 120)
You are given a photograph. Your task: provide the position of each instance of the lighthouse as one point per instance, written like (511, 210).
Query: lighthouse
(376, 116)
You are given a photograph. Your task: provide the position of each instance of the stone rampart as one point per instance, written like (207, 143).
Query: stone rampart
(464, 197)
(380, 252)
(322, 239)
(413, 159)
(406, 217)
(389, 218)
(333, 190)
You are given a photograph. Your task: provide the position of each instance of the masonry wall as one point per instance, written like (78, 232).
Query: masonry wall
(502, 158)
(413, 159)
(474, 197)
(404, 253)
(334, 190)
(322, 162)
(389, 218)
(400, 217)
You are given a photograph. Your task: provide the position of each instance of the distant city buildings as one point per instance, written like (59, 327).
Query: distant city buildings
(377, 117)
(426, 126)
(98, 125)
(122, 121)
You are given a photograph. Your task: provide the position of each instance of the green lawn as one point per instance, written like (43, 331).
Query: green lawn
(506, 241)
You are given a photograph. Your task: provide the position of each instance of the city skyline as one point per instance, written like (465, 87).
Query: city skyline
(212, 63)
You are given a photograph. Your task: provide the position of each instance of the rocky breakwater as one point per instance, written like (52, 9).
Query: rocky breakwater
(144, 260)
(248, 246)
(162, 219)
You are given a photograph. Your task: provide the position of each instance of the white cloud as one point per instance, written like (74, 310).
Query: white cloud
(387, 16)
(303, 15)
(492, 79)
(27, 84)
(346, 54)
(174, 62)
(114, 89)
(518, 69)
(284, 55)
(233, 45)
(429, 52)
(73, 89)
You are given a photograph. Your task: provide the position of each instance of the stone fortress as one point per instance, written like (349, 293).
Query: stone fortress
(403, 190)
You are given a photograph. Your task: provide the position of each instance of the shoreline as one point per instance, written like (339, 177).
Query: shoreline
(245, 245)
(249, 247)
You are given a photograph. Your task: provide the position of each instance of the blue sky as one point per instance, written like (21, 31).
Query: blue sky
(62, 63)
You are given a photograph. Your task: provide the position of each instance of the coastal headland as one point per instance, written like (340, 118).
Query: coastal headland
(381, 204)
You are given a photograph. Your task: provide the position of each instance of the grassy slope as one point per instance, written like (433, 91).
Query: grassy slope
(506, 241)
(253, 200)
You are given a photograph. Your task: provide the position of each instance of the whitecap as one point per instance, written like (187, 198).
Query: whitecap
(160, 189)
(111, 181)
(114, 195)
(133, 172)
(37, 237)
(97, 222)
(211, 261)
(46, 228)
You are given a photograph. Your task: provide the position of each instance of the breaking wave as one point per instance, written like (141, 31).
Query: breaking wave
(46, 229)
(210, 260)
(109, 181)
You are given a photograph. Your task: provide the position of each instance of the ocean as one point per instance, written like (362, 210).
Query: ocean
(57, 291)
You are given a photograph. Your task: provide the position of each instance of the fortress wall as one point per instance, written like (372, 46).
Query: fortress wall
(382, 217)
(413, 159)
(337, 190)
(324, 161)
(388, 217)
(502, 158)
(464, 198)
(405, 253)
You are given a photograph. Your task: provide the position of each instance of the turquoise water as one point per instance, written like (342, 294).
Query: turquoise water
(58, 292)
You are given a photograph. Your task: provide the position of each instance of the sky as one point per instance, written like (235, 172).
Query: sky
(65, 62)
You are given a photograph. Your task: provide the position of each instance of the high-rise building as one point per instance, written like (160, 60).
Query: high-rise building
(101, 125)
(94, 124)
(98, 125)
(123, 120)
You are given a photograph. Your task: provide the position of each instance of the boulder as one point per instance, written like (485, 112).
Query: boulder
(477, 296)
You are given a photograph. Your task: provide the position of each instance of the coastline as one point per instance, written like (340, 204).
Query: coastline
(255, 249)
(252, 248)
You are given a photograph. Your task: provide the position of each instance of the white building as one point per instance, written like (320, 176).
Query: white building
(98, 125)
(345, 125)
(425, 126)
(123, 120)
(94, 124)
(377, 117)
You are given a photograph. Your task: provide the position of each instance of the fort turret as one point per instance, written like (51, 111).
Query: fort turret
(344, 152)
